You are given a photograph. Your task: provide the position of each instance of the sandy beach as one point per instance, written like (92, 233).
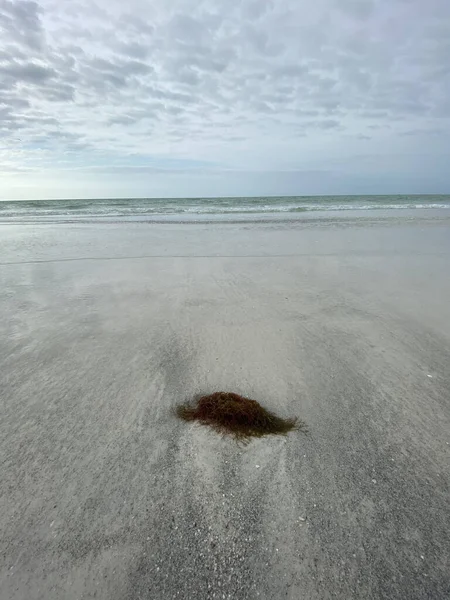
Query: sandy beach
(105, 327)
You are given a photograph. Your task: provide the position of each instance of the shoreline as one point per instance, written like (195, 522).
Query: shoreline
(338, 218)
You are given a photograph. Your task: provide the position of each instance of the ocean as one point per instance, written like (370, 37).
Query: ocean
(206, 209)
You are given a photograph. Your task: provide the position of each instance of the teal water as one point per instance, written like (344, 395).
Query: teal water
(147, 208)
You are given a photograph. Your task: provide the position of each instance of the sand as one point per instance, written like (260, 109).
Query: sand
(105, 494)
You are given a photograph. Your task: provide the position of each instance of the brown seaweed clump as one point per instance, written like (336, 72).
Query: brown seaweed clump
(230, 413)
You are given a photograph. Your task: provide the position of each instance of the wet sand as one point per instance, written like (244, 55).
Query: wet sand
(104, 328)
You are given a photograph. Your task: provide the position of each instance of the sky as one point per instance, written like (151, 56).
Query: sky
(168, 98)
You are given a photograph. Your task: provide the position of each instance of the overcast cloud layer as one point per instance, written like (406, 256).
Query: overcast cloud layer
(223, 97)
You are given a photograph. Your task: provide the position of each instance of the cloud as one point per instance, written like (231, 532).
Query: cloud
(253, 82)
(356, 9)
(23, 23)
(15, 73)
